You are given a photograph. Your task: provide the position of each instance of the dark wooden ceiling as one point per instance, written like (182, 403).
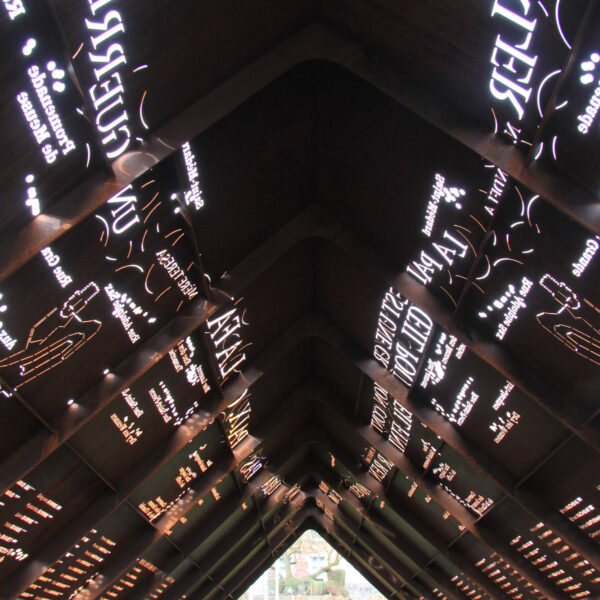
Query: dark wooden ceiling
(162, 443)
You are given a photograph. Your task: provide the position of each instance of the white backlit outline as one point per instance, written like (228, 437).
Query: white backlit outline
(489, 270)
(148, 290)
(449, 295)
(501, 260)
(77, 51)
(583, 343)
(522, 200)
(478, 222)
(465, 238)
(529, 205)
(132, 265)
(495, 120)
(558, 25)
(543, 8)
(539, 151)
(50, 341)
(104, 238)
(143, 122)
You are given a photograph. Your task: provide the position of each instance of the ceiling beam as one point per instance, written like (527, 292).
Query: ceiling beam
(427, 534)
(403, 573)
(343, 432)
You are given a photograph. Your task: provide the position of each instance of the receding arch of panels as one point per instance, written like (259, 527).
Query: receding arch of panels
(312, 284)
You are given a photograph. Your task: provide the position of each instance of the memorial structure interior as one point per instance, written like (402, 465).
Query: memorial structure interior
(275, 266)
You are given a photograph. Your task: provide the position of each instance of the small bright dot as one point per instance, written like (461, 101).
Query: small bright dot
(70, 401)
(29, 46)
(105, 372)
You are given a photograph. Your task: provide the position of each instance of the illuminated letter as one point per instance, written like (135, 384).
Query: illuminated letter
(398, 437)
(508, 94)
(383, 335)
(14, 8)
(447, 253)
(460, 245)
(397, 302)
(233, 366)
(378, 419)
(249, 469)
(404, 369)
(382, 356)
(420, 319)
(126, 205)
(228, 330)
(422, 270)
(113, 124)
(113, 136)
(380, 394)
(109, 16)
(96, 4)
(237, 421)
(416, 329)
(530, 61)
(111, 64)
(386, 323)
(41, 131)
(226, 353)
(221, 322)
(380, 467)
(402, 414)
(514, 17)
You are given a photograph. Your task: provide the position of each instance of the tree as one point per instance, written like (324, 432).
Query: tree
(309, 544)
